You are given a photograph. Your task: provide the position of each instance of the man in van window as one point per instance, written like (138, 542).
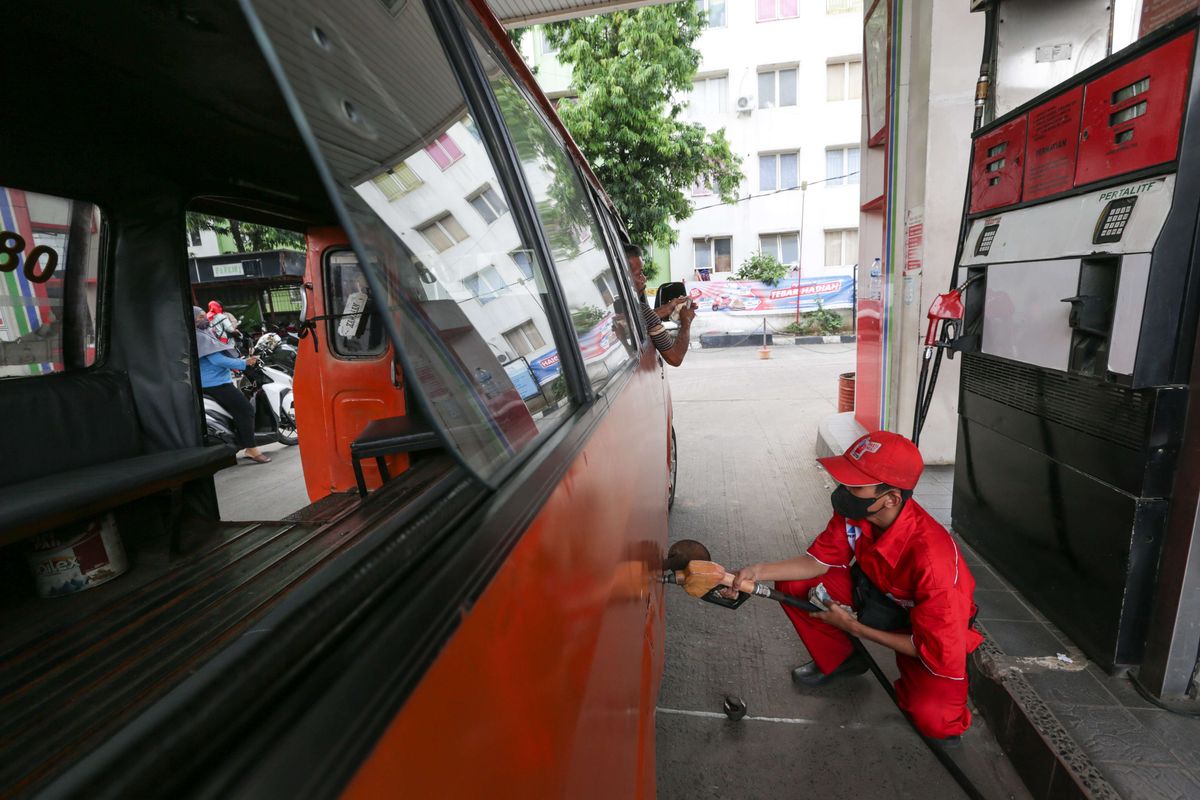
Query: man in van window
(884, 557)
(672, 347)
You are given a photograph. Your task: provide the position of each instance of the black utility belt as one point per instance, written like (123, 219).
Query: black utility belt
(875, 609)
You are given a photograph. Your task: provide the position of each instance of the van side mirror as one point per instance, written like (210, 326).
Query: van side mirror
(669, 292)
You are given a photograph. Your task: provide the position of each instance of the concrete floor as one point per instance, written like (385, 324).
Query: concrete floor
(251, 491)
(749, 487)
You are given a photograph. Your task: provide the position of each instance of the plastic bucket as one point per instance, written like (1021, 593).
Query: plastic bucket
(845, 392)
(73, 559)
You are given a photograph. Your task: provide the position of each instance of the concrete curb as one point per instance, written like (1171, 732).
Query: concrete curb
(837, 432)
(845, 339)
(1045, 755)
(739, 339)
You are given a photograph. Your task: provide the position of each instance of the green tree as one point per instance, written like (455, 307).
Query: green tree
(247, 237)
(587, 317)
(762, 267)
(631, 71)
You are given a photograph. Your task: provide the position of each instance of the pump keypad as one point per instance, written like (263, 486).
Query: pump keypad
(983, 245)
(1111, 225)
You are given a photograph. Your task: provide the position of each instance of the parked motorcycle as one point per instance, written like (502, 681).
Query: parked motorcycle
(277, 351)
(269, 390)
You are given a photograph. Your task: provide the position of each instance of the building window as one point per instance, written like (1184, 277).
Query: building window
(524, 262)
(444, 151)
(607, 287)
(843, 6)
(785, 247)
(194, 237)
(778, 171)
(714, 253)
(709, 95)
(524, 339)
(843, 80)
(777, 9)
(547, 46)
(486, 285)
(443, 232)
(716, 12)
(397, 181)
(841, 248)
(701, 189)
(777, 88)
(488, 204)
(841, 166)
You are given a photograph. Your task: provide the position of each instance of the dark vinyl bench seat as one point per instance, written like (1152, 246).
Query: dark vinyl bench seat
(386, 437)
(80, 451)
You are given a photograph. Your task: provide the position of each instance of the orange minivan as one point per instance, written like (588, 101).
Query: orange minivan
(470, 605)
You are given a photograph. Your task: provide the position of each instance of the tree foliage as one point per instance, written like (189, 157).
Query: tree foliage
(762, 267)
(247, 237)
(631, 72)
(587, 317)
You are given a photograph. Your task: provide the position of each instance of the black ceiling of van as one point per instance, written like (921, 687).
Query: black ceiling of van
(104, 99)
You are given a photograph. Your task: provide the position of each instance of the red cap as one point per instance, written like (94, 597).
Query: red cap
(879, 457)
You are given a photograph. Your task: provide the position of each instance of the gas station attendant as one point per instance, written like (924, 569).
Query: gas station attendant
(887, 559)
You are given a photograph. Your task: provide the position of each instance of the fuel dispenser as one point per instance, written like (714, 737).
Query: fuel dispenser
(1077, 337)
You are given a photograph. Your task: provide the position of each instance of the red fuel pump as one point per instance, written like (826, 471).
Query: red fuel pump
(1077, 336)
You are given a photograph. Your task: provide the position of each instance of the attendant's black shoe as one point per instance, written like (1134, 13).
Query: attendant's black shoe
(810, 677)
(949, 743)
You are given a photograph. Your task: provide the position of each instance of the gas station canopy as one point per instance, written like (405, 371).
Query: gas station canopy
(519, 13)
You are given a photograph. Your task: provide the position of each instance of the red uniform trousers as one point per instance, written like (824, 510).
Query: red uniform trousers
(936, 705)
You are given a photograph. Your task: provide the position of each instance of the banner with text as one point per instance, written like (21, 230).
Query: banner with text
(755, 297)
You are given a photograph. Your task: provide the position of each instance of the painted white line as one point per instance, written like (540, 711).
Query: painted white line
(718, 715)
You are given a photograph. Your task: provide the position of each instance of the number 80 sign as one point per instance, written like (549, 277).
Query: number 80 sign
(12, 244)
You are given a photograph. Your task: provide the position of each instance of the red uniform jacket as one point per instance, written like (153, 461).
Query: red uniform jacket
(916, 562)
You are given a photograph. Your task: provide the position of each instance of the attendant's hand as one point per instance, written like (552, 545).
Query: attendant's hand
(839, 617)
(749, 573)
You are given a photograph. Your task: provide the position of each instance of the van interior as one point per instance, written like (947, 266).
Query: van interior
(141, 113)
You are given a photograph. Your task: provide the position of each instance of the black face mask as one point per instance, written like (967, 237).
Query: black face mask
(849, 506)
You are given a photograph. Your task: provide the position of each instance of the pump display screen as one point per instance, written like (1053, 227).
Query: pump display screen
(1111, 225)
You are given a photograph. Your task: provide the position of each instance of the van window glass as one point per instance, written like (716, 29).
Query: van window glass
(50, 253)
(351, 335)
(377, 91)
(571, 226)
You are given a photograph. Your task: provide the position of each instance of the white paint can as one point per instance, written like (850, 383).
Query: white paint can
(70, 560)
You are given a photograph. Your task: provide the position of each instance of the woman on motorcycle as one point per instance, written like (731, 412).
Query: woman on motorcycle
(216, 381)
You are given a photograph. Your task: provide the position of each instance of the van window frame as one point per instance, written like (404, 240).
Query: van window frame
(333, 316)
(470, 23)
(105, 259)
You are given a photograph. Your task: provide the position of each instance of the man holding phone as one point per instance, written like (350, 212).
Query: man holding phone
(671, 347)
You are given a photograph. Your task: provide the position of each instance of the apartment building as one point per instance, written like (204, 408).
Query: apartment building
(783, 78)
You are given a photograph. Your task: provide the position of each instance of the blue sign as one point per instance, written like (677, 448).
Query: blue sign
(522, 378)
